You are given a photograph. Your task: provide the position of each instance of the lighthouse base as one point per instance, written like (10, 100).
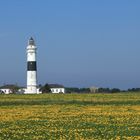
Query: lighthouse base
(31, 90)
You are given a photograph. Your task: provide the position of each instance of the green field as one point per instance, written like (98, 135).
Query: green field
(70, 117)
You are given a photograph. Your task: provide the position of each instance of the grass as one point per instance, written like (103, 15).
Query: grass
(70, 116)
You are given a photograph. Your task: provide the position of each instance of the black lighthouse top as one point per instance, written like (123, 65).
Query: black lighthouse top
(31, 41)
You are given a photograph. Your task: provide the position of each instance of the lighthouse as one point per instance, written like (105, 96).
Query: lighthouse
(31, 67)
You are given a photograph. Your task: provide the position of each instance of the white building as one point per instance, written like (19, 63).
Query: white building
(55, 88)
(8, 89)
(5, 91)
(25, 91)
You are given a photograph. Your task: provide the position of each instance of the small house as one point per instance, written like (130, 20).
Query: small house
(55, 88)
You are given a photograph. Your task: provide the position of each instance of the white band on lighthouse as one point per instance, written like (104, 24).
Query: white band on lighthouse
(31, 68)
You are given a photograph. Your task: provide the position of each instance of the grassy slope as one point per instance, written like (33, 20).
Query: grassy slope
(71, 116)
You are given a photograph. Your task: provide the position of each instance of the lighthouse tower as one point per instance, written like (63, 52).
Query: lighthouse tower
(31, 67)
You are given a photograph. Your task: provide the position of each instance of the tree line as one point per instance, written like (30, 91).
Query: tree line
(47, 89)
(99, 90)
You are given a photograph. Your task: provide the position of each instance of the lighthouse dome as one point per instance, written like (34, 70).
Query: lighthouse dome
(31, 41)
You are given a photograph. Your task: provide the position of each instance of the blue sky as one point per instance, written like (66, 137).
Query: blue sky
(80, 43)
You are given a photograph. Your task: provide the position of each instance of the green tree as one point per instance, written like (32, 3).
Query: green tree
(45, 88)
(115, 90)
(14, 88)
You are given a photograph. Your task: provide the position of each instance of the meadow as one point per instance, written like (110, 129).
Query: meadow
(70, 117)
